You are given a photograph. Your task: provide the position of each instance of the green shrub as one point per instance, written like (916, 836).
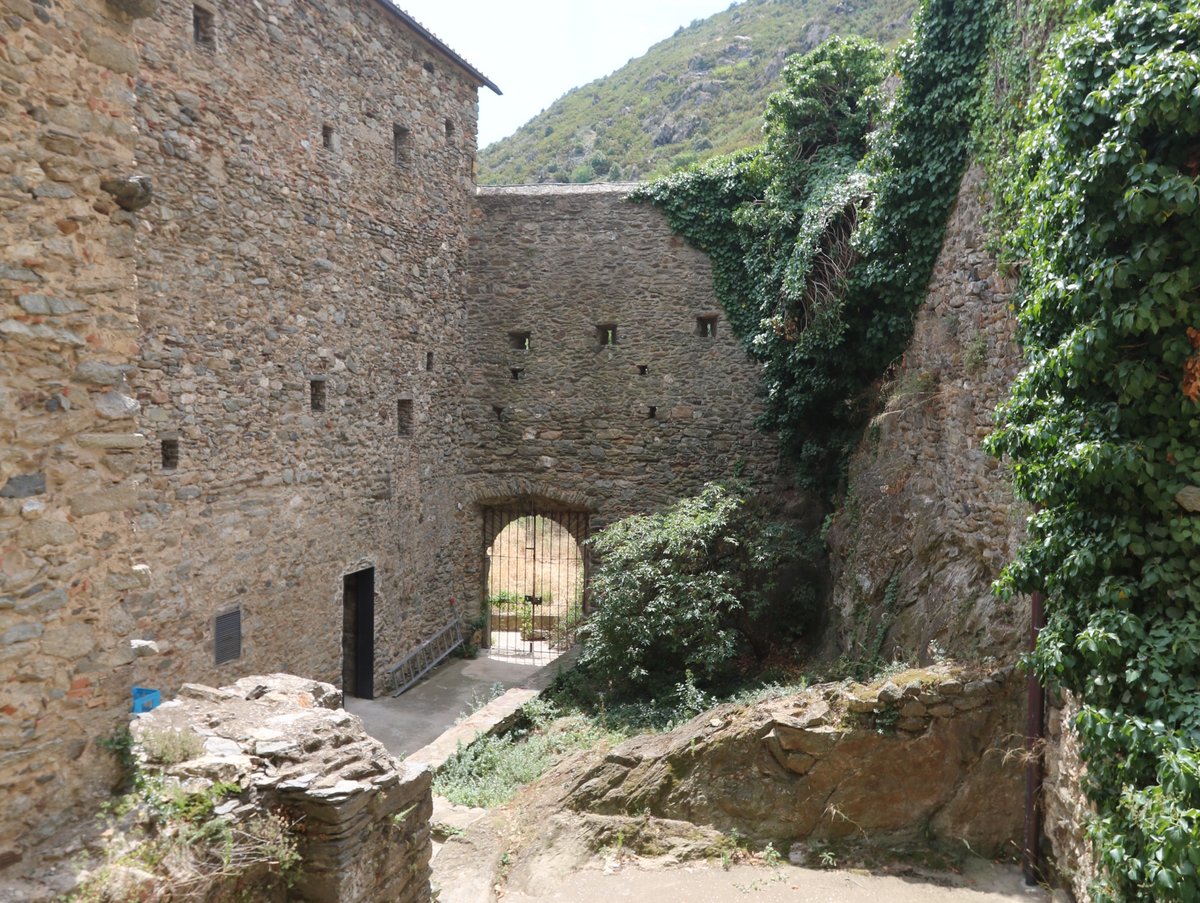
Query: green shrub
(687, 589)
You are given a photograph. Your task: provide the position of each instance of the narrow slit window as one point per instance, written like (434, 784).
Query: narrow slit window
(706, 326)
(519, 341)
(643, 369)
(170, 454)
(399, 145)
(449, 129)
(316, 394)
(404, 417)
(204, 28)
(328, 137)
(227, 636)
(517, 372)
(428, 360)
(652, 412)
(606, 334)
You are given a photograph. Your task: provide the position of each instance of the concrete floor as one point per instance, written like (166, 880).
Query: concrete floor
(454, 689)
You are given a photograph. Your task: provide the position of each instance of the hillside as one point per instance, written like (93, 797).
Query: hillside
(697, 94)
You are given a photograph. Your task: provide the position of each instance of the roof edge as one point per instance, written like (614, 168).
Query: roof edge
(438, 44)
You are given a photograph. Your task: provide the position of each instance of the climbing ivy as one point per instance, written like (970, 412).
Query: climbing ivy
(1102, 426)
(824, 239)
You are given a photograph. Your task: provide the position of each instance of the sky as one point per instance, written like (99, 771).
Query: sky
(537, 50)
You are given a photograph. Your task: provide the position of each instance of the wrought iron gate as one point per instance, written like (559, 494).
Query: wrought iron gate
(535, 581)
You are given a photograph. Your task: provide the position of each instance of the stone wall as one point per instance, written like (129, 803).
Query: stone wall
(68, 438)
(292, 247)
(562, 410)
(927, 512)
(929, 518)
(162, 461)
(1065, 808)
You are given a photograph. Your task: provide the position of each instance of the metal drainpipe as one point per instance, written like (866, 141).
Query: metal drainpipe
(1035, 729)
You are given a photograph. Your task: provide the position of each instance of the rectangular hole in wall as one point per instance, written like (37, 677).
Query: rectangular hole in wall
(227, 636)
(449, 124)
(316, 394)
(399, 145)
(606, 334)
(706, 326)
(404, 417)
(428, 67)
(428, 360)
(652, 412)
(170, 454)
(328, 137)
(498, 411)
(204, 28)
(517, 372)
(643, 369)
(519, 341)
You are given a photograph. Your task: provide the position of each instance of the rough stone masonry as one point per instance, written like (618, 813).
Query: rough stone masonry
(249, 380)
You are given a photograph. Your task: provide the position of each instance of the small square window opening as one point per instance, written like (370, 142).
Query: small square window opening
(519, 341)
(204, 28)
(316, 394)
(404, 417)
(606, 334)
(328, 137)
(706, 326)
(399, 145)
(170, 454)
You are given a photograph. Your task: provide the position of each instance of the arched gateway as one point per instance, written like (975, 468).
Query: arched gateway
(535, 568)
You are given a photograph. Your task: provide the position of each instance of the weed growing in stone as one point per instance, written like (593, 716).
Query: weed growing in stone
(490, 770)
(175, 842)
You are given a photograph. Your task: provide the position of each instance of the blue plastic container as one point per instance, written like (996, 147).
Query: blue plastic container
(145, 699)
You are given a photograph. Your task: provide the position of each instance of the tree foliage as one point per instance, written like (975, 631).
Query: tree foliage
(822, 254)
(1101, 427)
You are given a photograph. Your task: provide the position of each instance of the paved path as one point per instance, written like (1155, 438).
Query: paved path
(407, 723)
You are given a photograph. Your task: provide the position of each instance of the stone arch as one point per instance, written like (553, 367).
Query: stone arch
(496, 505)
(535, 497)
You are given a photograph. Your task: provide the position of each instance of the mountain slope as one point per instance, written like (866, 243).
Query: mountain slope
(699, 93)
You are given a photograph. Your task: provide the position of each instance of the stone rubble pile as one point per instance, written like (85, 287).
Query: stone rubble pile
(286, 741)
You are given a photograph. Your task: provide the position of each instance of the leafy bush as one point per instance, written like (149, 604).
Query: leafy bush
(685, 590)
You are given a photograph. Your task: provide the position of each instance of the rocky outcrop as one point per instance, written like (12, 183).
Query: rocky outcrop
(363, 816)
(918, 757)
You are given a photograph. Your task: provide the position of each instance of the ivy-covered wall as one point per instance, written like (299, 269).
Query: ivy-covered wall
(823, 256)
(1101, 425)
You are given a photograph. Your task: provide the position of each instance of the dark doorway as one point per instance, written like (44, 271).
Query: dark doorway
(358, 634)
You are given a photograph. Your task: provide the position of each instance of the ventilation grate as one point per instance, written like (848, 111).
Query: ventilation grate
(228, 633)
